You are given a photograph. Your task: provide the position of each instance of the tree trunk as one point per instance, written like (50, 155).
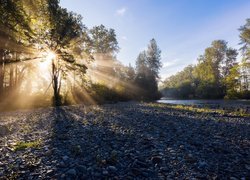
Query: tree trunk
(56, 85)
(2, 72)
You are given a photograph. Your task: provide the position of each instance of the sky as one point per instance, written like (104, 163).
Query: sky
(182, 28)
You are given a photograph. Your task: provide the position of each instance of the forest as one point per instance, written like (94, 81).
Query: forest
(71, 108)
(49, 57)
(218, 73)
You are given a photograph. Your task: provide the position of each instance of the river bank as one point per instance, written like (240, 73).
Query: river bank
(123, 141)
(224, 107)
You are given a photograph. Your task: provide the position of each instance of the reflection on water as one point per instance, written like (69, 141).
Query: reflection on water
(206, 102)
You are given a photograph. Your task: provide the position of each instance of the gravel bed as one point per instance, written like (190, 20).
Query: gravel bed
(123, 141)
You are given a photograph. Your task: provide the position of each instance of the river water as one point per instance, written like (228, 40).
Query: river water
(245, 103)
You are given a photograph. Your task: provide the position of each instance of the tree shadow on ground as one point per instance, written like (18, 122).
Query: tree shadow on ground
(130, 140)
(143, 142)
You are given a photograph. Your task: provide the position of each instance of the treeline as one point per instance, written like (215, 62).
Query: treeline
(84, 69)
(217, 74)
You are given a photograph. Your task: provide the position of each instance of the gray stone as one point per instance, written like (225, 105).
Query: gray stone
(71, 172)
(65, 158)
(112, 168)
(202, 164)
(105, 172)
(82, 169)
(156, 159)
(4, 130)
(62, 164)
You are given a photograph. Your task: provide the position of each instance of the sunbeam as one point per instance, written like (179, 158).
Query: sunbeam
(50, 55)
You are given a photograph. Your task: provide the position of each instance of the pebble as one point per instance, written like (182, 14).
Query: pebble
(121, 140)
(202, 164)
(112, 168)
(156, 159)
(4, 130)
(105, 172)
(65, 158)
(71, 172)
(247, 167)
(62, 164)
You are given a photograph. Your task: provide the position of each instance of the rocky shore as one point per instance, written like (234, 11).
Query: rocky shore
(123, 141)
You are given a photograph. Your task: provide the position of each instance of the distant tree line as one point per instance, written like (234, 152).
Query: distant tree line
(217, 74)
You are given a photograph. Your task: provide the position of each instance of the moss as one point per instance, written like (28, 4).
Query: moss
(24, 145)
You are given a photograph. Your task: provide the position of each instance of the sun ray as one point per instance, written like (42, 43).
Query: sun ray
(50, 55)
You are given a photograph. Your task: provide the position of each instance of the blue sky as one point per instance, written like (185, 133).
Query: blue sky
(182, 28)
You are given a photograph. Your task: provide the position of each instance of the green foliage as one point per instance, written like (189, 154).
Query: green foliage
(245, 68)
(217, 75)
(24, 145)
(232, 83)
(101, 93)
(245, 40)
(28, 27)
(103, 40)
(148, 65)
(182, 85)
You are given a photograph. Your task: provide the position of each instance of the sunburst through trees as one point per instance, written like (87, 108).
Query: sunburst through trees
(49, 57)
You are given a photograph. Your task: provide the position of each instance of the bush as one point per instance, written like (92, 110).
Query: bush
(102, 93)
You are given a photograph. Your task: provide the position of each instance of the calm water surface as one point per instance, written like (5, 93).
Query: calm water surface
(206, 102)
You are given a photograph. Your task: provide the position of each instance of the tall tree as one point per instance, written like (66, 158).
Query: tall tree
(245, 39)
(154, 58)
(142, 72)
(148, 65)
(208, 70)
(229, 62)
(30, 27)
(245, 42)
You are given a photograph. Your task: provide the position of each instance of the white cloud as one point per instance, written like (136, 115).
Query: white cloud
(121, 11)
(171, 63)
(124, 38)
(167, 64)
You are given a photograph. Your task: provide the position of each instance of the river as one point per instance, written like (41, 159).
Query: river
(245, 103)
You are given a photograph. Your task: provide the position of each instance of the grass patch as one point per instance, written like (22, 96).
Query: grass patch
(206, 109)
(232, 112)
(24, 145)
(200, 110)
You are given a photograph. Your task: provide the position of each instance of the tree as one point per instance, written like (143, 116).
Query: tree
(229, 62)
(154, 58)
(232, 82)
(103, 40)
(210, 78)
(142, 72)
(245, 39)
(148, 65)
(104, 46)
(245, 67)
(130, 73)
(208, 70)
(180, 85)
(28, 27)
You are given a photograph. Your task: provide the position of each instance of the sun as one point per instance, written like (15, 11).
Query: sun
(44, 65)
(50, 55)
